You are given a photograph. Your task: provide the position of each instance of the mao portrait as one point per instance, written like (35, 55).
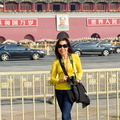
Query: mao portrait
(62, 23)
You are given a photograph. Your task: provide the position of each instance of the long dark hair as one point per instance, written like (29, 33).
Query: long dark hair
(70, 50)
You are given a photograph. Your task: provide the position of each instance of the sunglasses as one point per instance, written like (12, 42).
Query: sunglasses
(64, 46)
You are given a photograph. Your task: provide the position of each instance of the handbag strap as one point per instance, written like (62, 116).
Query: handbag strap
(63, 67)
(71, 60)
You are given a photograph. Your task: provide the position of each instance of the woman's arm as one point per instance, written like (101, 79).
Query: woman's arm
(79, 68)
(54, 78)
(54, 73)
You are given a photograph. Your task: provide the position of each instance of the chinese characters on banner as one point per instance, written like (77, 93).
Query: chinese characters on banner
(103, 21)
(18, 22)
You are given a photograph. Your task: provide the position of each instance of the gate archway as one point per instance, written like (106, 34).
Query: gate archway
(30, 37)
(95, 35)
(62, 35)
(2, 39)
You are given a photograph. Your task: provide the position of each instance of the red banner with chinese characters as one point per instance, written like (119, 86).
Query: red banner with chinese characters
(18, 22)
(103, 21)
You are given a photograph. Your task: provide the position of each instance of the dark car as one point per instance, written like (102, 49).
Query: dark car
(12, 51)
(116, 48)
(73, 43)
(91, 48)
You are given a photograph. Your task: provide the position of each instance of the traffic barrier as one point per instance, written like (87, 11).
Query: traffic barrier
(26, 96)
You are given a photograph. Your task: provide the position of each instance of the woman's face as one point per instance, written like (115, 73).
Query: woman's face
(63, 48)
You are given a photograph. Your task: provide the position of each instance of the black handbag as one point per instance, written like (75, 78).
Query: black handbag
(78, 92)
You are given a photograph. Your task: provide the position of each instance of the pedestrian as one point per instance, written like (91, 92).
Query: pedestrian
(63, 50)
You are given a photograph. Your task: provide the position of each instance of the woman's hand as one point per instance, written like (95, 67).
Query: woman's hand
(78, 81)
(64, 79)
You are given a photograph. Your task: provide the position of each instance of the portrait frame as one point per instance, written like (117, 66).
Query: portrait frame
(64, 27)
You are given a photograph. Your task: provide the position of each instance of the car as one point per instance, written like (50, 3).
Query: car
(91, 48)
(53, 47)
(13, 51)
(73, 43)
(116, 48)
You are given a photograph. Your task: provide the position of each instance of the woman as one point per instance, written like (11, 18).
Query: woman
(63, 50)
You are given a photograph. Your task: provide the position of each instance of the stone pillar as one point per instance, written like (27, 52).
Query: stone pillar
(81, 7)
(18, 7)
(48, 6)
(33, 7)
(4, 7)
(119, 7)
(95, 7)
(108, 7)
(68, 7)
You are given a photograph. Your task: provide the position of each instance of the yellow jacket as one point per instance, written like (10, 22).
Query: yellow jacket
(57, 72)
